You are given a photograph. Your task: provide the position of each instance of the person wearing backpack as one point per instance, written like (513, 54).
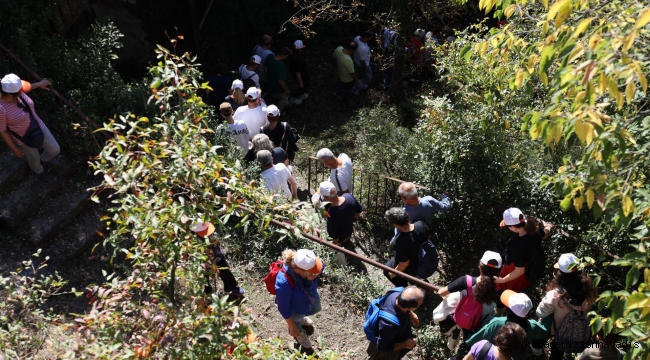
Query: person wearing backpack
(296, 293)
(341, 173)
(524, 258)
(388, 323)
(510, 339)
(247, 72)
(281, 133)
(519, 308)
(564, 307)
(478, 309)
(406, 245)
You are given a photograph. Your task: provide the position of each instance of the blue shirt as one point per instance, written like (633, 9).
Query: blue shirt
(389, 333)
(425, 211)
(294, 300)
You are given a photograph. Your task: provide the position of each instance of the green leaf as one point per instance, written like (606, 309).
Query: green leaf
(596, 325)
(465, 49)
(565, 204)
(546, 58)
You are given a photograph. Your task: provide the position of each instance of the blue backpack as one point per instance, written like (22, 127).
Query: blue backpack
(428, 260)
(371, 322)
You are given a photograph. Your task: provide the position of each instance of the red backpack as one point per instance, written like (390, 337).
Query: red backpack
(468, 312)
(274, 269)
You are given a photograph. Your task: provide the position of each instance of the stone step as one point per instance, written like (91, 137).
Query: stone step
(12, 169)
(57, 211)
(30, 193)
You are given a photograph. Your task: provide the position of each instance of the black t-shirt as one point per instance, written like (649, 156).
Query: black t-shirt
(278, 154)
(275, 135)
(407, 245)
(298, 65)
(460, 284)
(518, 248)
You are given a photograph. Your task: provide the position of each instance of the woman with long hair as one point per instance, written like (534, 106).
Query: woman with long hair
(510, 340)
(236, 98)
(297, 295)
(570, 290)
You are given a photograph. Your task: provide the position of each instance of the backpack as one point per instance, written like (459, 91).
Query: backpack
(427, 260)
(248, 82)
(373, 314)
(574, 333)
(537, 262)
(274, 269)
(468, 312)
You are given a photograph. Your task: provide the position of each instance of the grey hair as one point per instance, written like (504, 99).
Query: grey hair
(325, 154)
(410, 297)
(265, 158)
(262, 142)
(409, 194)
(397, 216)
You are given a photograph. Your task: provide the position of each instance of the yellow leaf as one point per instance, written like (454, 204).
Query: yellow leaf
(556, 8)
(593, 41)
(532, 60)
(590, 198)
(557, 129)
(628, 135)
(585, 132)
(545, 28)
(581, 95)
(602, 83)
(544, 78)
(643, 19)
(614, 160)
(619, 100)
(582, 26)
(577, 203)
(594, 117)
(510, 10)
(559, 20)
(613, 86)
(481, 4)
(535, 130)
(642, 80)
(544, 3)
(484, 48)
(519, 80)
(629, 91)
(628, 206)
(576, 53)
(628, 41)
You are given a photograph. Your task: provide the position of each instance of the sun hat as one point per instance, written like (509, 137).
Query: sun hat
(519, 303)
(256, 59)
(272, 111)
(203, 229)
(237, 84)
(491, 255)
(252, 92)
(12, 84)
(307, 260)
(326, 189)
(565, 261)
(298, 44)
(512, 216)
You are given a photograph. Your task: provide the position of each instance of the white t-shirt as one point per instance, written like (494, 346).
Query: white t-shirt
(253, 118)
(276, 178)
(362, 53)
(245, 73)
(344, 174)
(240, 131)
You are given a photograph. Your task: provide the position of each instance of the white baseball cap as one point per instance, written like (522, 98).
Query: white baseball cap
(272, 111)
(327, 189)
(307, 260)
(298, 44)
(565, 262)
(12, 84)
(519, 303)
(237, 84)
(256, 59)
(252, 92)
(491, 255)
(512, 216)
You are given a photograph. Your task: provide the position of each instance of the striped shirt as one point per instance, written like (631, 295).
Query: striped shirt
(16, 118)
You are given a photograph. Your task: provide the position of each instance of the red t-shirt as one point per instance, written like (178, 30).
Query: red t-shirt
(17, 119)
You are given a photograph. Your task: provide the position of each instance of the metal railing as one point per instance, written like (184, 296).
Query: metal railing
(375, 191)
(73, 129)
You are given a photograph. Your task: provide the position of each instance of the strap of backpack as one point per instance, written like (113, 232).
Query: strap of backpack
(336, 176)
(242, 75)
(388, 317)
(284, 132)
(468, 283)
(286, 275)
(484, 351)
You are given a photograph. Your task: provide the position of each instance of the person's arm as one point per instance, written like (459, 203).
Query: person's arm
(43, 84)
(294, 187)
(517, 272)
(354, 77)
(299, 78)
(284, 86)
(546, 307)
(444, 291)
(388, 332)
(400, 267)
(441, 205)
(10, 143)
(547, 229)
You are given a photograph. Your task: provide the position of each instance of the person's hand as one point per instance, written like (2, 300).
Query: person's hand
(498, 280)
(358, 82)
(409, 344)
(293, 330)
(336, 242)
(43, 84)
(17, 153)
(414, 319)
(547, 225)
(287, 91)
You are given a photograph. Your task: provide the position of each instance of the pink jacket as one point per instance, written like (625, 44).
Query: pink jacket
(553, 304)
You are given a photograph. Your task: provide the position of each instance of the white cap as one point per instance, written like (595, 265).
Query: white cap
(491, 255)
(256, 59)
(565, 262)
(307, 260)
(327, 189)
(252, 92)
(298, 44)
(419, 33)
(519, 303)
(237, 84)
(512, 216)
(272, 111)
(12, 84)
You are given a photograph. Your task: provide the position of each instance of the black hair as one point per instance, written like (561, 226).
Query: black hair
(485, 291)
(574, 287)
(352, 45)
(283, 50)
(411, 301)
(397, 216)
(514, 318)
(367, 34)
(489, 271)
(529, 223)
(511, 339)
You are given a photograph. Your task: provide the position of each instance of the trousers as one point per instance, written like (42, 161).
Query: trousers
(35, 159)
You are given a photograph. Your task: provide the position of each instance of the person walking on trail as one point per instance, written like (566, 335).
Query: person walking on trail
(389, 45)
(218, 259)
(299, 72)
(280, 133)
(277, 176)
(341, 214)
(510, 339)
(236, 97)
(342, 171)
(519, 309)
(362, 60)
(253, 115)
(396, 340)
(263, 50)
(220, 84)
(406, 246)
(247, 72)
(297, 294)
(237, 128)
(22, 129)
(483, 288)
(345, 70)
(422, 208)
(277, 76)
(570, 292)
(262, 142)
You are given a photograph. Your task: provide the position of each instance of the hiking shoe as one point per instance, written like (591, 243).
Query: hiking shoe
(295, 101)
(355, 91)
(308, 325)
(303, 96)
(364, 86)
(44, 177)
(237, 292)
(52, 163)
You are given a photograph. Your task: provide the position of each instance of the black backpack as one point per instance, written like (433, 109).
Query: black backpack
(537, 262)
